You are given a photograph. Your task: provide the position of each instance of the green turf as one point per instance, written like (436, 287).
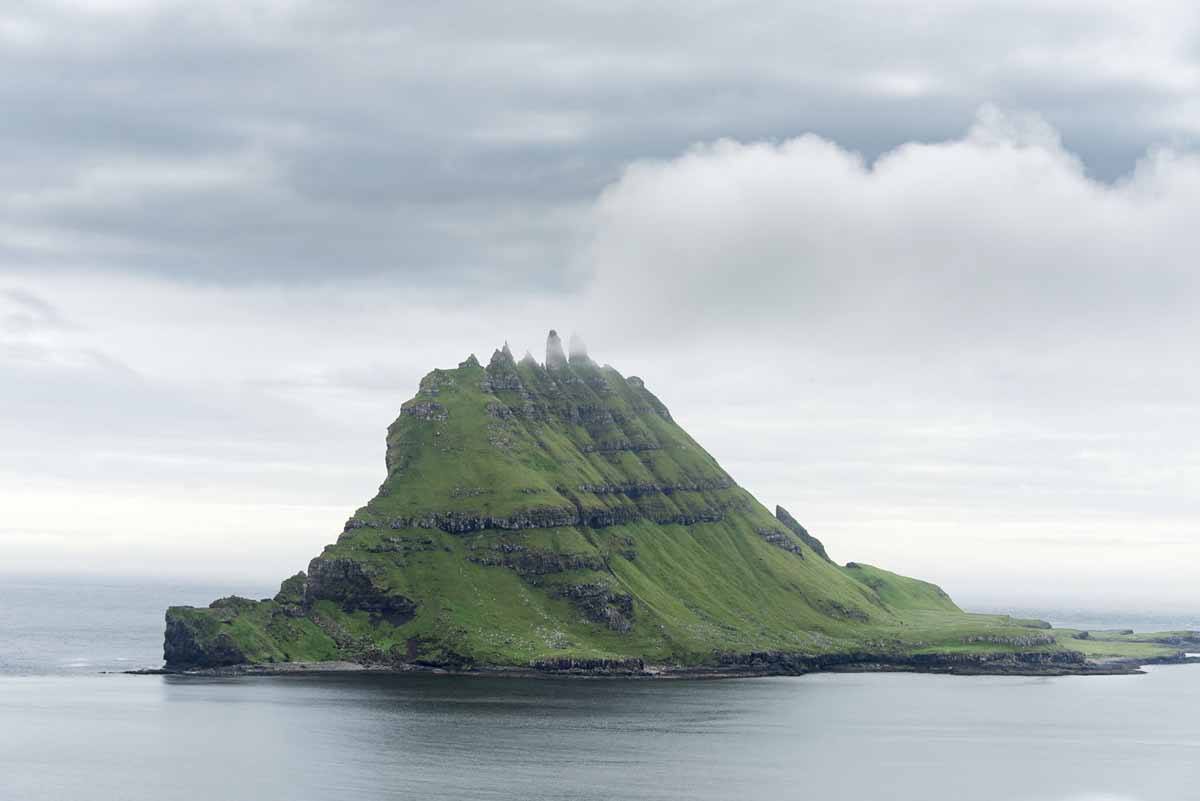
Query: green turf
(584, 523)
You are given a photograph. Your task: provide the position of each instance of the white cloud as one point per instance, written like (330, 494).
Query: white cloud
(966, 360)
(999, 236)
(967, 353)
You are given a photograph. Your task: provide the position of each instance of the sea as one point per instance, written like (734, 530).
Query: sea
(74, 727)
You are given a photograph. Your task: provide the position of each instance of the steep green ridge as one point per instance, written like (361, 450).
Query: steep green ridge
(556, 517)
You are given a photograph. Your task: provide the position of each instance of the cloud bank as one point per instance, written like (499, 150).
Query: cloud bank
(255, 141)
(999, 236)
(966, 360)
(952, 342)
(974, 339)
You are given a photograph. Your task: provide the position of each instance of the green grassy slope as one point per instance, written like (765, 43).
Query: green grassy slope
(538, 515)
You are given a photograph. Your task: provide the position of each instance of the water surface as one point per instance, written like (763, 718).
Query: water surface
(813, 737)
(68, 732)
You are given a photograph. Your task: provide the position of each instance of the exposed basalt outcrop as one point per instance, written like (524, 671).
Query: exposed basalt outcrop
(651, 488)
(469, 492)
(425, 410)
(619, 445)
(499, 411)
(468, 522)
(603, 518)
(780, 540)
(567, 664)
(599, 603)
(800, 531)
(776, 662)
(201, 640)
(502, 373)
(291, 593)
(1025, 641)
(557, 517)
(526, 561)
(404, 545)
(351, 584)
(186, 646)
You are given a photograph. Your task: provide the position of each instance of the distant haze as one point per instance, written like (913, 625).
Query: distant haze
(927, 279)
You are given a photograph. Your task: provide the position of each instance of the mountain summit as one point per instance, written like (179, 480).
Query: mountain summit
(555, 517)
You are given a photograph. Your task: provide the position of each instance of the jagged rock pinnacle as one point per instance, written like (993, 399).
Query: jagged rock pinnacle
(783, 516)
(578, 351)
(528, 360)
(555, 358)
(501, 358)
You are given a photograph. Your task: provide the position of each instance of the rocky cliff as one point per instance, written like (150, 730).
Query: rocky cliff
(556, 517)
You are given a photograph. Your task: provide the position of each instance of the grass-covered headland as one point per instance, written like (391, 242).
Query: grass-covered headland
(554, 518)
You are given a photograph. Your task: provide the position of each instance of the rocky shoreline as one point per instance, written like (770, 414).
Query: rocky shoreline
(733, 667)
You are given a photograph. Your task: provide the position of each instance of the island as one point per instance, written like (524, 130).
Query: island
(552, 518)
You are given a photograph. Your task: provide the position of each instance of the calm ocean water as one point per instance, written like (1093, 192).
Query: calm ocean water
(67, 732)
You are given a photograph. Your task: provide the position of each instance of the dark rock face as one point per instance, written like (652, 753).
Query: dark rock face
(348, 583)
(600, 604)
(780, 540)
(559, 517)
(425, 410)
(291, 591)
(502, 372)
(529, 562)
(499, 411)
(1026, 641)
(601, 518)
(467, 523)
(800, 531)
(555, 358)
(774, 662)
(570, 665)
(183, 648)
(404, 545)
(650, 488)
(618, 445)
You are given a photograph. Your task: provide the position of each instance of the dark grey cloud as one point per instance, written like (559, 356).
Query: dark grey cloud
(234, 236)
(436, 143)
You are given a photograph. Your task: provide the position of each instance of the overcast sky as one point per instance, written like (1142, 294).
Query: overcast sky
(925, 274)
